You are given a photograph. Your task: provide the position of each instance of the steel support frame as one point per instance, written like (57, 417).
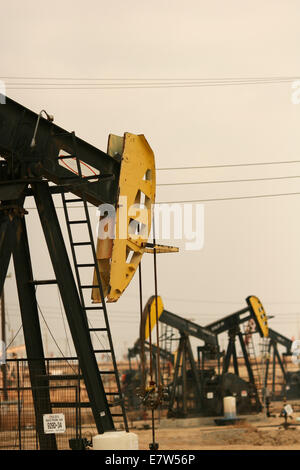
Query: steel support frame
(246, 359)
(176, 374)
(14, 241)
(248, 367)
(7, 236)
(267, 366)
(184, 355)
(280, 362)
(230, 352)
(273, 346)
(74, 311)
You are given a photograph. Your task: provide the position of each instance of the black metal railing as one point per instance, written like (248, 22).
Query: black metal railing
(63, 383)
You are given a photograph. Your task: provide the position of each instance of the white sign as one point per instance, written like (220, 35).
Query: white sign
(209, 395)
(289, 410)
(54, 423)
(2, 353)
(296, 351)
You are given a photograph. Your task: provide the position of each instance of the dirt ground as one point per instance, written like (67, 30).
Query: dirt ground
(243, 436)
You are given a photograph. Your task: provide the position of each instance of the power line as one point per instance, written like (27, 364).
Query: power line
(138, 83)
(41, 313)
(233, 198)
(230, 198)
(135, 315)
(230, 181)
(230, 165)
(12, 306)
(62, 316)
(39, 86)
(280, 77)
(189, 300)
(157, 83)
(21, 327)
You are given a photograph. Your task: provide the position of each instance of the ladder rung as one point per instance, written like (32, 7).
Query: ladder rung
(107, 372)
(62, 377)
(92, 286)
(45, 282)
(73, 200)
(64, 404)
(100, 351)
(97, 329)
(85, 265)
(112, 393)
(78, 221)
(94, 308)
(116, 403)
(116, 415)
(81, 243)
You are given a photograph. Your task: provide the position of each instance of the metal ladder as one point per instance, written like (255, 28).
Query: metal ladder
(257, 372)
(167, 346)
(264, 353)
(101, 308)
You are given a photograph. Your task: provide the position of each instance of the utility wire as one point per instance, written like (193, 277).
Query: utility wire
(230, 181)
(14, 337)
(62, 316)
(274, 178)
(233, 198)
(134, 297)
(229, 198)
(140, 83)
(280, 77)
(230, 165)
(192, 84)
(135, 315)
(129, 87)
(57, 345)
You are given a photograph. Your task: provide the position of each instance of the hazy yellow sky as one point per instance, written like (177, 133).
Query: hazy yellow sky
(251, 246)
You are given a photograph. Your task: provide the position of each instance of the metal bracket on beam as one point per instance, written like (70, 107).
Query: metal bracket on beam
(43, 282)
(149, 248)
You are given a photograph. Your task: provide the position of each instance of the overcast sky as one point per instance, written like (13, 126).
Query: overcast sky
(252, 246)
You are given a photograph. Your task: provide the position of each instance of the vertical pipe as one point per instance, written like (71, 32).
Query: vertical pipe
(274, 372)
(198, 383)
(3, 336)
(142, 345)
(19, 405)
(79, 403)
(235, 360)
(175, 378)
(156, 309)
(183, 375)
(150, 345)
(267, 365)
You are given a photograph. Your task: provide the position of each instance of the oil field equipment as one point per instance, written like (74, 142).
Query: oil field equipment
(247, 396)
(290, 389)
(131, 378)
(186, 384)
(198, 389)
(40, 159)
